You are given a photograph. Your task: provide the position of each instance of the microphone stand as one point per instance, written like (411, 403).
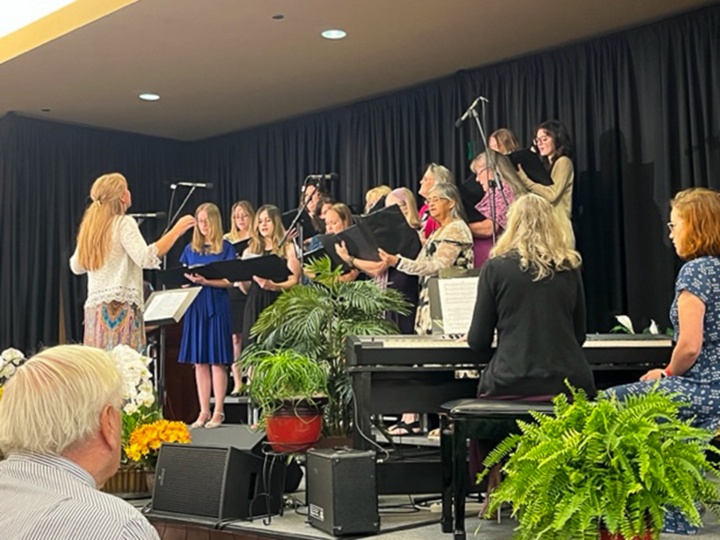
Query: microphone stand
(491, 163)
(293, 223)
(162, 341)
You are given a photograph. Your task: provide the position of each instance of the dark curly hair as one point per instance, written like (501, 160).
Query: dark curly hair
(560, 136)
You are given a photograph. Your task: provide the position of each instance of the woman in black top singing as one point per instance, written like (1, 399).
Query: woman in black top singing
(531, 291)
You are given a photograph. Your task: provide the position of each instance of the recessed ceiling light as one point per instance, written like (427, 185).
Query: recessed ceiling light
(149, 96)
(334, 33)
(278, 16)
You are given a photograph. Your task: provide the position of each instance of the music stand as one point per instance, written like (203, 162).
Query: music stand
(163, 308)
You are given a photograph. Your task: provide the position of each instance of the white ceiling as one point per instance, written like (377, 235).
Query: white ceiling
(225, 65)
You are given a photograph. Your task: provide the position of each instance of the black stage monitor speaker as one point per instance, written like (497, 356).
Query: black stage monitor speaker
(342, 491)
(216, 482)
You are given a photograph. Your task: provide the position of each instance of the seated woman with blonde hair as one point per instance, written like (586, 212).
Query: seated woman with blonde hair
(531, 292)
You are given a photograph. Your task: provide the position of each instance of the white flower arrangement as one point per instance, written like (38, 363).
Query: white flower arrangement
(10, 360)
(138, 391)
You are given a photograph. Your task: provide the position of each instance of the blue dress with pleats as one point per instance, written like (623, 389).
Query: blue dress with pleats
(207, 326)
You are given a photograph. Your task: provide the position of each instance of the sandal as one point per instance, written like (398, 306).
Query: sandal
(212, 424)
(202, 420)
(403, 429)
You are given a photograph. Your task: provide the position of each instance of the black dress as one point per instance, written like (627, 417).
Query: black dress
(257, 300)
(238, 299)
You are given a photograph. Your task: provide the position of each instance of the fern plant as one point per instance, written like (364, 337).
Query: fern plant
(316, 319)
(285, 377)
(605, 463)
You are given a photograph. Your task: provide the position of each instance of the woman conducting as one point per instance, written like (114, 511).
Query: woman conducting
(111, 250)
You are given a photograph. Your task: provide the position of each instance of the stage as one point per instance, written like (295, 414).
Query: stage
(396, 523)
(402, 516)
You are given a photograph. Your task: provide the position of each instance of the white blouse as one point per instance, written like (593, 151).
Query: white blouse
(120, 277)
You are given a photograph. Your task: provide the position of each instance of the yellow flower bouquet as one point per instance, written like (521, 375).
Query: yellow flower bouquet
(146, 439)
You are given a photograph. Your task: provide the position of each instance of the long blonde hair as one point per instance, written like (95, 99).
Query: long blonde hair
(234, 234)
(215, 237)
(540, 236)
(96, 230)
(257, 241)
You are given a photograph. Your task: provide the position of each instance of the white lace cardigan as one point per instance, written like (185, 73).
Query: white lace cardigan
(120, 277)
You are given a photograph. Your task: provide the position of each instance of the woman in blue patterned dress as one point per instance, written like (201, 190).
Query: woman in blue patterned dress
(694, 368)
(207, 330)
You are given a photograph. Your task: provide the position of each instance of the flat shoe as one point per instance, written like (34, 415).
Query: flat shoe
(212, 425)
(202, 420)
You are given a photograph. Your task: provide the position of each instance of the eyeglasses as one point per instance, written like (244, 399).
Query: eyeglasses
(433, 200)
(542, 139)
(671, 226)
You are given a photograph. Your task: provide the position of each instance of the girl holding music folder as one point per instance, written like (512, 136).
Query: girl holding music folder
(556, 149)
(265, 237)
(388, 276)
(241, 219)
(206, 339)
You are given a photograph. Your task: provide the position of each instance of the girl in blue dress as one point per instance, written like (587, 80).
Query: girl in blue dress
(694, 368)
(207, 330)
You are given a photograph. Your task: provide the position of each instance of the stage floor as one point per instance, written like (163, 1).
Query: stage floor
(399, 520)
(402, 517)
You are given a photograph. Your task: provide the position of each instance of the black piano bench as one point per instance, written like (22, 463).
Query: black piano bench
(464, 419)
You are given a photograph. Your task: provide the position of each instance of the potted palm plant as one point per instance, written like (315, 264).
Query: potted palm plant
(604, 468)
(290, 388)
(315, 320)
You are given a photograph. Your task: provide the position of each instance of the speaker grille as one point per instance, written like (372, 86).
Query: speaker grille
(190, 480)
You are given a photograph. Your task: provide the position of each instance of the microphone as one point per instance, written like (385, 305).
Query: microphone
(149, 215)
(205, 185)
(470, 109)
(329, 176)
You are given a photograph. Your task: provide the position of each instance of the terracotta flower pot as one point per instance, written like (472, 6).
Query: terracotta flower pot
(293, 429)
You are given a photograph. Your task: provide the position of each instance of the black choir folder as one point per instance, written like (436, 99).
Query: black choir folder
(327, 249)
(305, 221)
(387, 229)
(532, 165)
(240, 246)
(267, 266)
(471, 193)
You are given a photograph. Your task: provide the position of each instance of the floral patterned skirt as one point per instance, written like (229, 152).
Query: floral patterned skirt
(114, 323)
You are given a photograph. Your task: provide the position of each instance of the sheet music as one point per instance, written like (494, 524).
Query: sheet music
(457, 302)
(167, 305)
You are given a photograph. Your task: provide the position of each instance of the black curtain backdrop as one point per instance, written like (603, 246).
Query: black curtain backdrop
(642, 106)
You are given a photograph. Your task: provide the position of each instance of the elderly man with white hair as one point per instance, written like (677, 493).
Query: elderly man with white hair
(60, 428)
